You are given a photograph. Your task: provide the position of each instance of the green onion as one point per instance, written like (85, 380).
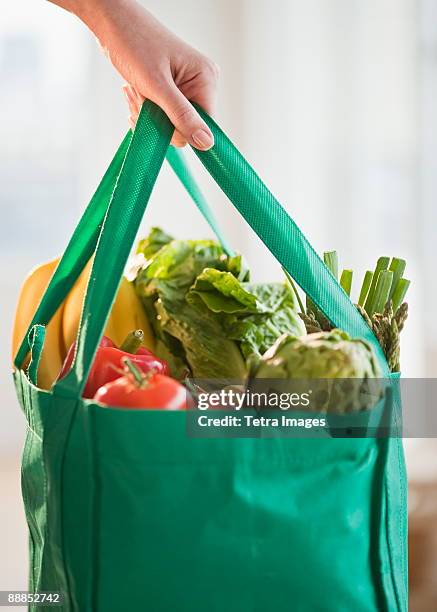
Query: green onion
(331, 261)
(381, 264)
(399, 293)
(397, 266)
(365, 287)
(382, 292)
(346, 281)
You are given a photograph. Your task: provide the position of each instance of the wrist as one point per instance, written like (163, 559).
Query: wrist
(98, 15)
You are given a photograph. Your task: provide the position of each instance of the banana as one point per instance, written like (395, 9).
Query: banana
(126, 315)
(31, 293)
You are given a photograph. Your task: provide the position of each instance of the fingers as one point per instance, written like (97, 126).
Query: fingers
(203, 89)
(135, 101)
(185, 118)
(178, 140)
(131, 98)
(189, 126)
(132, 107)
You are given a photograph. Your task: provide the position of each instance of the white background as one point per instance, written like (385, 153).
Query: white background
(332, 102)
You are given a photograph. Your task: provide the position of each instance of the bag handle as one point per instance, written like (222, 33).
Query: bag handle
(143, 161)
(84, 239)
(270, 221)
(176, 159)
(79, 249)
(281, 235)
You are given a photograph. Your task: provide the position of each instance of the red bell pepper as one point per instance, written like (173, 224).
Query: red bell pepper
(138, 390)
(107, 365)
(68, 361)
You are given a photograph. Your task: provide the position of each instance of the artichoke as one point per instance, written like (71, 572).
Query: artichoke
(346, 370)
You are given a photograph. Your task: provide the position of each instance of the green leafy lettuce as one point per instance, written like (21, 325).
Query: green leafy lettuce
(255, 315)
(207, 317)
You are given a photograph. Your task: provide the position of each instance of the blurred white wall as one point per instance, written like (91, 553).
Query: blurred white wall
(332, 102)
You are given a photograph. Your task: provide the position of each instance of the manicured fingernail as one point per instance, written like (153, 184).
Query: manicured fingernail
(202, 139)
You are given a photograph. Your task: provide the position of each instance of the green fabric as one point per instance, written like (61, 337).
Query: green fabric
(79, 250)
(282, 236)
(177, 161)
(84, 239)
(36, 344)
(126, 512)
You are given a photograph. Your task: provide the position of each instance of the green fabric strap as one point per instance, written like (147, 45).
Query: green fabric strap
(282, 236)
(84, 239)
(177, 161)
(36, 342)
(79, 249)
(143, 161)
(139, 169)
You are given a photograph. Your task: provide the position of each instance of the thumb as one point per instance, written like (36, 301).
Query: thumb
(185, 118)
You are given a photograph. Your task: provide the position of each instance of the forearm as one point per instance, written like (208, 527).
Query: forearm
(118, 24)
(154, 61)
(86, 9)
(99, 14)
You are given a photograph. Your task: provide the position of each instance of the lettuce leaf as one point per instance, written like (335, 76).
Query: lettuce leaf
(253, 314)
(205, 313)
(153, 242)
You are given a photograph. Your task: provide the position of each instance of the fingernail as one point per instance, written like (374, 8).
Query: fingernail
(202, 139)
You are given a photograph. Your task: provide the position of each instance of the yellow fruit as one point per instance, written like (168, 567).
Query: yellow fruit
(31, 293)
(127, 313)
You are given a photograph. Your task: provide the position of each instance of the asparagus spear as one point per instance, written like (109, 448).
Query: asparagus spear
(331, 261)
(346, 281)
(380, 302)
(397, 266)
(399, 293)
(381, 264)
(381, 293)
(367, 281)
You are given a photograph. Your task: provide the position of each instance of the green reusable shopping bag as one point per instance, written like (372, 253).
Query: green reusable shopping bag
(126, 512)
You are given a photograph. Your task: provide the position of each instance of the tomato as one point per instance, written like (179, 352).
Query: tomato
(156, 392)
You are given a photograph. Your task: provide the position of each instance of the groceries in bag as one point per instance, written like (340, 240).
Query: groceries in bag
(189, 310)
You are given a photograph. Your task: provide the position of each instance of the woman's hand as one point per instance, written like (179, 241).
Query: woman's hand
(155, 63)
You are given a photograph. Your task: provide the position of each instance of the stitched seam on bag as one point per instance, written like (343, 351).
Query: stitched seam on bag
(377, 527)
(61, 503)
(34, 433)
(401, 518)
(36, 571)
(44, 484)
(96, 501)
(26, 496)
(403, 513)
(403, 509)
(389, 519)
(46, 504)
(389, 544)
